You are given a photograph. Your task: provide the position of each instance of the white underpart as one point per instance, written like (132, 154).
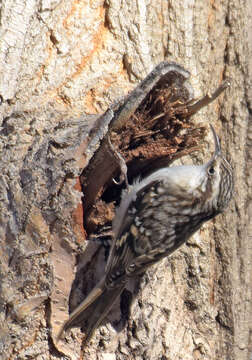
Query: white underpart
(188, 177)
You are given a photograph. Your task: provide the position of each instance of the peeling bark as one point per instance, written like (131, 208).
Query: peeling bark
(61, 61)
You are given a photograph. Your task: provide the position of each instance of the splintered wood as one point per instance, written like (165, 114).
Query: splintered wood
(159, 131)
(157, 128)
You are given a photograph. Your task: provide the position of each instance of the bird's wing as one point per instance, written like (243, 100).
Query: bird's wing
(155, 223)
(123, 249)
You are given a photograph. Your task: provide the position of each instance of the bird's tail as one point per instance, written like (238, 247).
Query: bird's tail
(93, 309)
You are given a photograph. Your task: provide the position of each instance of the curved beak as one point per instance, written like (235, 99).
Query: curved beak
(217, 151)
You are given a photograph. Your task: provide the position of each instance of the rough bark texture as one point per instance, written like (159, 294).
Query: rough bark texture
(59, 61)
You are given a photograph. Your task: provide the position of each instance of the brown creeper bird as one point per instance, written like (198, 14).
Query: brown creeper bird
(156, 216)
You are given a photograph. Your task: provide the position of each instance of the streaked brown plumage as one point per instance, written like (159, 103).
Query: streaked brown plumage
(155, 218)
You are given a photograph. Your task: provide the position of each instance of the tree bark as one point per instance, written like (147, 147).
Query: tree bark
(63, 64)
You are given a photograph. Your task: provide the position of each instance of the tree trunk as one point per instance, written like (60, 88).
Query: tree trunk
(63, 63)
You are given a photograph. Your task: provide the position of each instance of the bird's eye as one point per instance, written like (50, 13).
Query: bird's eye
(211, 170)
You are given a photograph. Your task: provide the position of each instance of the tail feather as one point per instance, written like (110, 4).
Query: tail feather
(93, 309)
(101, 308)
